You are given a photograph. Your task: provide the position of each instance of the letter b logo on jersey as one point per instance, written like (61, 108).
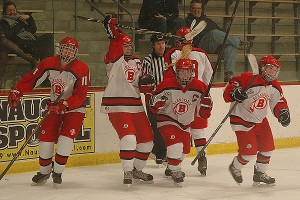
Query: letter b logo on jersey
(130, 74)
(258, 104)
(57, 89)
(58, 86)
(180, 108)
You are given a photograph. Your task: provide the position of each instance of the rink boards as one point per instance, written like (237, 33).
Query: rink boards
(98, 143)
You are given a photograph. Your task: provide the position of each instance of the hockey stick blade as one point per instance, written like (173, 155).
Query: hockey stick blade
(195, 31)
(253, 63)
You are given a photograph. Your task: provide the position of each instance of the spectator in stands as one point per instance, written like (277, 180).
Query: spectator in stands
(160, 15)
(21, 29)
(211, 39)
(5, 46)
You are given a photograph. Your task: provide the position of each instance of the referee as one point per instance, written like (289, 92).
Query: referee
(154, 65)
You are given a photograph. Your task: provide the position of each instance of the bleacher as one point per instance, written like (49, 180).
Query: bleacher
(272, 25)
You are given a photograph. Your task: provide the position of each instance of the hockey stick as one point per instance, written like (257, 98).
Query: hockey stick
(254, 66)
(195, 31)
(222, 47)
(34, 131)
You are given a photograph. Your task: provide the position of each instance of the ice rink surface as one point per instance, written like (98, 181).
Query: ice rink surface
(104, 182)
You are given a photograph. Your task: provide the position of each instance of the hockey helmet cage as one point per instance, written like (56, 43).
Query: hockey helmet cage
(269, 68)
(184, 71)
(68, 49)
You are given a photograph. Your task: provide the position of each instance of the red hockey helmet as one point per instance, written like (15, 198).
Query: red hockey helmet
(68, 49)
(184, 71)
(182, 32)
(126, 45)
(126, 39)
(269, 68)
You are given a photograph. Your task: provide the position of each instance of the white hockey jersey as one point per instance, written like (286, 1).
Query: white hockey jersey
(202, 67)
(122, 94)
(254, 109)
(181, 103)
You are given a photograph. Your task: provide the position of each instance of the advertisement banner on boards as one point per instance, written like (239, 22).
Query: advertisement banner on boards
(17, 124)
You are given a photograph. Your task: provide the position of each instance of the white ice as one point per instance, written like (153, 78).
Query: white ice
(104, 182)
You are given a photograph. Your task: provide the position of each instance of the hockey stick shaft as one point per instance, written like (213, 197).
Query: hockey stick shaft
(255, 74)
(220, 53)
(146, 31)
(35, 130)
(189, 36)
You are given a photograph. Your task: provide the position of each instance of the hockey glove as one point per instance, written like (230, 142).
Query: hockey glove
(58, 108)
(284, 117)
(205, 107)
(110, 27)
(158, 102)
(146, 83)
(237, 94)
(14, 98)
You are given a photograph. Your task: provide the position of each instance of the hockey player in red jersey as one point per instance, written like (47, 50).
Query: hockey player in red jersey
(203, 71)
(178, 99)
(65, 118)
(248, 119)
(122, 102)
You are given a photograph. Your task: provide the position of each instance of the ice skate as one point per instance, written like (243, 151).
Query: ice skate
(142, 176)
(127, 181)
(56, 179)
(40, 179)
(236, 174)
(177, 177)
(168, 173)
(202, 165)
(261, 178)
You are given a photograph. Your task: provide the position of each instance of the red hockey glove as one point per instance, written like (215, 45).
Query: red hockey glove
(205, 107)
(58, 108)
(14, 98)
(110, 26)
(146, 83)
(158, 102)
(284, 117)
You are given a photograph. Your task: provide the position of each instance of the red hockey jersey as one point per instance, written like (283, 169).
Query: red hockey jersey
(75, 75)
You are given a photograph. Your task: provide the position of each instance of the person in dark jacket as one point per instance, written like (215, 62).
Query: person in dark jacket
(160, 15)
(21, 29)
(8, 46)
(211, 38)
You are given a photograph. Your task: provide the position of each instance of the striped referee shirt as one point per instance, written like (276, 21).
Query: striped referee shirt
(154, 65)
